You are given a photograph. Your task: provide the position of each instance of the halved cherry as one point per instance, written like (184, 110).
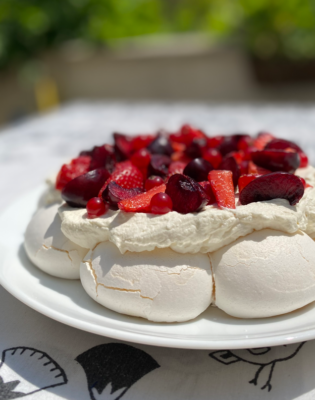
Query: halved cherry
(81, 189)
(186, 194)
(277, 160)
(277, 185)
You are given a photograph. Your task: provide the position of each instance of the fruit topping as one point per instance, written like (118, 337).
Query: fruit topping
(160, 145)
(194, 150)
(277, 185)
(123, 146)
(114, 193)
(125, 175)
(176, 167)
(141, 158)
(186, 135)
(81, 189)
(141, 141)
(152, 182)
(159, 165)
(277, 160)
(244, 181)
(243, 167)
(213, 156)
(245, 142)
(198, 169)
(215, 141)
(223, 188)
(161, 203)
(254, 169)
(229, 164)
(77, 167)
(95, 207)
(141, 202)
(103, 157)
(281, 144)
(228, 145)
(303, 160)
(186, 194)
(206, 185)
(262, 139)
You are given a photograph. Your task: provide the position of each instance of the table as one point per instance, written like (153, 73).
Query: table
(44, 359)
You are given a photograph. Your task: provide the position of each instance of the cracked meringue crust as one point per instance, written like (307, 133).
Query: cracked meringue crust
(48, 248)
(161, 285)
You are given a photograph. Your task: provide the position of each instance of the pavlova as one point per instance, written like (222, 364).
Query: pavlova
(163, 226)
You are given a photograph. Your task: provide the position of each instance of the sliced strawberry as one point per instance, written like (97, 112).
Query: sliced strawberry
(262, 139)
(176, 167)
(223, 188)
(254, 169)
(208, 189)
(244, 181)
(141, 202)
(125, 175)
(78, 166)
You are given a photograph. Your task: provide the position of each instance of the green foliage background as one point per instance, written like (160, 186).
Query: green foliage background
(265, 28)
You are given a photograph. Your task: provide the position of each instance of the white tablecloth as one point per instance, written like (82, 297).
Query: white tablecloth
(43, 359)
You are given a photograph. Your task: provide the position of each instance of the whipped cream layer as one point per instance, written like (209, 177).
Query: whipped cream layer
(205, 231)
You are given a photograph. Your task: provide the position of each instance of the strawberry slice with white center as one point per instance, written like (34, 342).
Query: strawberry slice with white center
(126, 175)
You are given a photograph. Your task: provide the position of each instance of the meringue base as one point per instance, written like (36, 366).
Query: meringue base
(264, 274)
(161, 285)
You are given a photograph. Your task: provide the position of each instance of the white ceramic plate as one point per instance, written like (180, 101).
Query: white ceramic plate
(67, 302)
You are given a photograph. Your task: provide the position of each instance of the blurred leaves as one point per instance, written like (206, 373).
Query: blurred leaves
(265, 28)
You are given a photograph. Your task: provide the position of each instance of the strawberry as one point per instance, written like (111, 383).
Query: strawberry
(262, 139)
(223, 188)
(78, 166)
(244, 180)
(141, 202)
(254, 169)
(126, 175)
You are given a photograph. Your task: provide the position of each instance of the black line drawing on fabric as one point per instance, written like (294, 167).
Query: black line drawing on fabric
(24, 371)
(111, 369)
(262, 357)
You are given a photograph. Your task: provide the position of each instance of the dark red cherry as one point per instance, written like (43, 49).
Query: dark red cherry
(186, 194)
(277, 185)
(230, 164)
(103, 157)
(160, 145)
(81, 189)
(158, 165)
(123, 146)
(198, 169)
(114, 193)
(277, 160)
(195, 149)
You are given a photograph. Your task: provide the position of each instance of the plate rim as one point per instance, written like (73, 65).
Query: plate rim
(138, 337)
